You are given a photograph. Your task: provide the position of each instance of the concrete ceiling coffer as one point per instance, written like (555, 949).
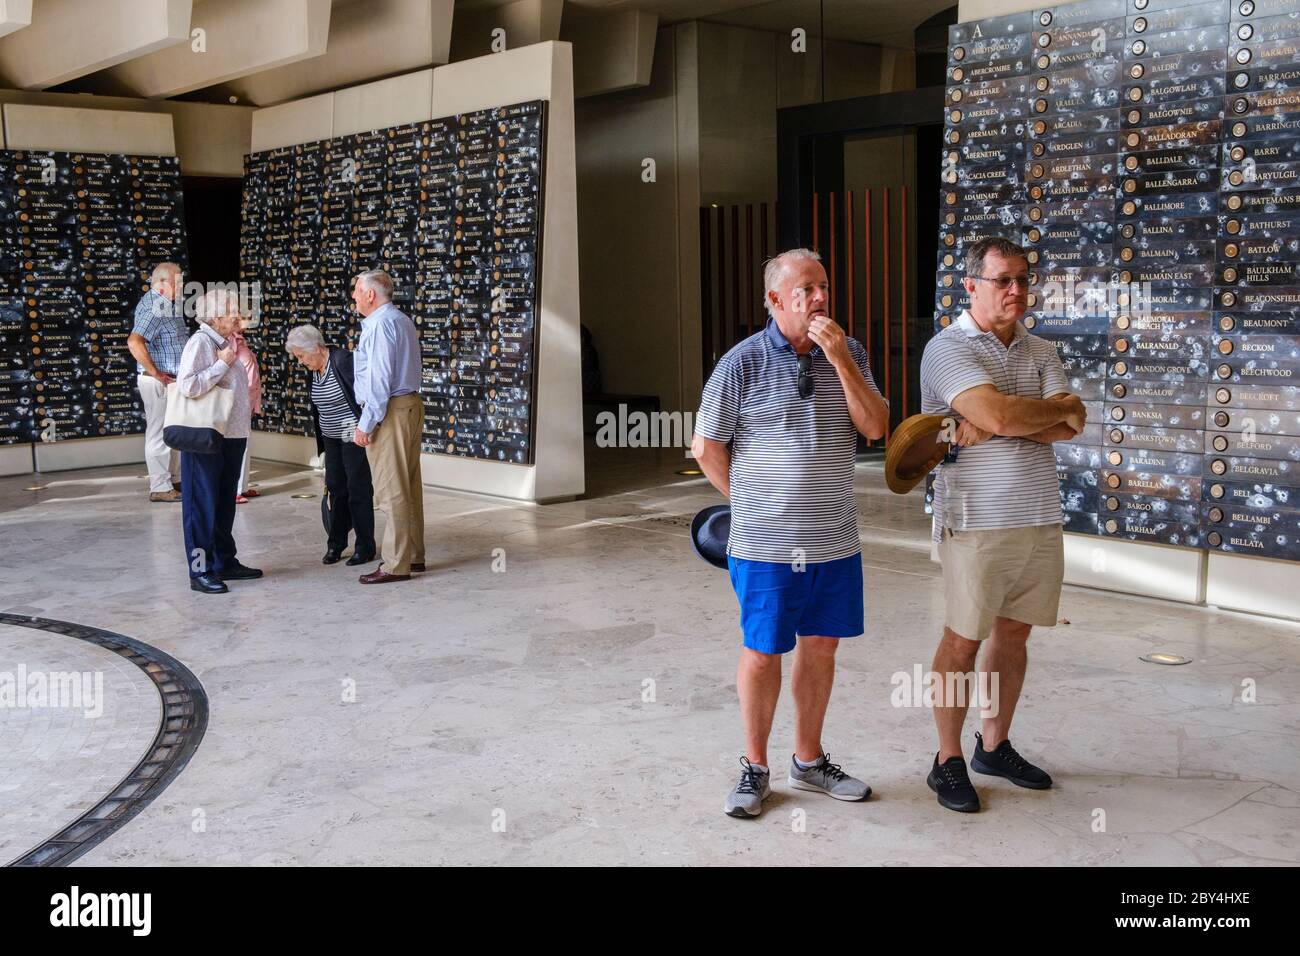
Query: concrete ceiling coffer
(611, 51)
(239, 37)
(368, 40)
(14, 15)
(506, 26)
(59, 44)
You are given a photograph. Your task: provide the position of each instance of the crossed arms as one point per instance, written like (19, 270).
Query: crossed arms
(988, 412)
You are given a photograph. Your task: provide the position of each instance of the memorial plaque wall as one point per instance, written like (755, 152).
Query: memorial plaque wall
(285, 227)
(1147, 155)
(15, 353)
(81, 233)
(451, 208)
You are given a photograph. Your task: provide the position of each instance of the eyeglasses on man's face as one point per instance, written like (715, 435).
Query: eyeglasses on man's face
(806, 380)
(1002, 283)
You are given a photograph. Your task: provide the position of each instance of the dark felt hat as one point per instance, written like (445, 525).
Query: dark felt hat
(709, 532)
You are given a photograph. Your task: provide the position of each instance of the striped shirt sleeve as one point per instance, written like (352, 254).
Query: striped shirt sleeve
(1052, 374)
(720, 404)
(951, 368)
(859, 354)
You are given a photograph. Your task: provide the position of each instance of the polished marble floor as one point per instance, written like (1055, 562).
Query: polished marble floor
(80, 723)
(559, 688)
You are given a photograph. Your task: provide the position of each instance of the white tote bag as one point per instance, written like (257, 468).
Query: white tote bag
(197, 425)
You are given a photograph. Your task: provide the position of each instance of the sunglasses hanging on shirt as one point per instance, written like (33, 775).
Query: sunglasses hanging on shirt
(806, 380)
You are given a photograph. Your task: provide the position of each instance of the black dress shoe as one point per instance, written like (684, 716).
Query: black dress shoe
(359, 558)
(332, 556)
(208, 584)
(239, 572)
(1003, 761)
(952, 784)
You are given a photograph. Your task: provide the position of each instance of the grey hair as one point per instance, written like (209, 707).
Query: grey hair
(995, 244)
(216, 303)
(304, 338)
(378, 281)
(163, 270)
(774, 270)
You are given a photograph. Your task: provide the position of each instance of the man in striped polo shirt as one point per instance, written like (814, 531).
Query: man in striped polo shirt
(997, 511)
(777, 434)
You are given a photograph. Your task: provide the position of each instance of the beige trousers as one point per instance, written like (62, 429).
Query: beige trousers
(164, 463)
(394, 456)
(1014, 573)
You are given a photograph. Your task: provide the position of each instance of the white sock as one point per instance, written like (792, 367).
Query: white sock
(807, 766)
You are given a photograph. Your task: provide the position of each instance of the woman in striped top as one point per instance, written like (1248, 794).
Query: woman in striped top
(335, 412)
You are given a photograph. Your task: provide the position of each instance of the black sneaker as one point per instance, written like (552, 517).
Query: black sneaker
(951, 782)
(1003, 761)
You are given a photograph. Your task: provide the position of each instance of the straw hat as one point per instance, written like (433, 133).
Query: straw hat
(915, 449)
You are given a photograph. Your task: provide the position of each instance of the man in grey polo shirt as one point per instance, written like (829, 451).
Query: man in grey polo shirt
(777, 434)
(997, 511)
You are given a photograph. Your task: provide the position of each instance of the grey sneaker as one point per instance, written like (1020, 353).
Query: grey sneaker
(746, 800)
(826, 777)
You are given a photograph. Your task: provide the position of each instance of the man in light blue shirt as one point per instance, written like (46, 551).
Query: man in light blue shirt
(392, 420)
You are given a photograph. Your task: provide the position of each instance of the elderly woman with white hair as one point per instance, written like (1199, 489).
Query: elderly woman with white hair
(209, 482)
(336, 411)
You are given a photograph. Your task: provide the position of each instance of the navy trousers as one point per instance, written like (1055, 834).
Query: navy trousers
(347, 476)
(209, 484)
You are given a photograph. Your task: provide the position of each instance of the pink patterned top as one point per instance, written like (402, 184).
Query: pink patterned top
(249, 361)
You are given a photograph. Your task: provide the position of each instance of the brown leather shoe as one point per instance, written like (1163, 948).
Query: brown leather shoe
(417, 566)
(380, 576)
(164, 496)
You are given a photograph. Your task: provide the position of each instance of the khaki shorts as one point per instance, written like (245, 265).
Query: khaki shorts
(1014, 573)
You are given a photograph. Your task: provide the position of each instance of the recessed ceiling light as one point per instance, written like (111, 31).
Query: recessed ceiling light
(1162, 658)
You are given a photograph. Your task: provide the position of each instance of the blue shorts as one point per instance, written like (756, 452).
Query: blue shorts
(777, 602)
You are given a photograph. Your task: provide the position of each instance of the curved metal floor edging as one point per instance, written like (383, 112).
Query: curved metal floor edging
(184, 720)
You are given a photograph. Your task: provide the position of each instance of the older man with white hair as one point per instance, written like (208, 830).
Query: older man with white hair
(209, 482)
(387, 380)
(155, 342)
(777, 433)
